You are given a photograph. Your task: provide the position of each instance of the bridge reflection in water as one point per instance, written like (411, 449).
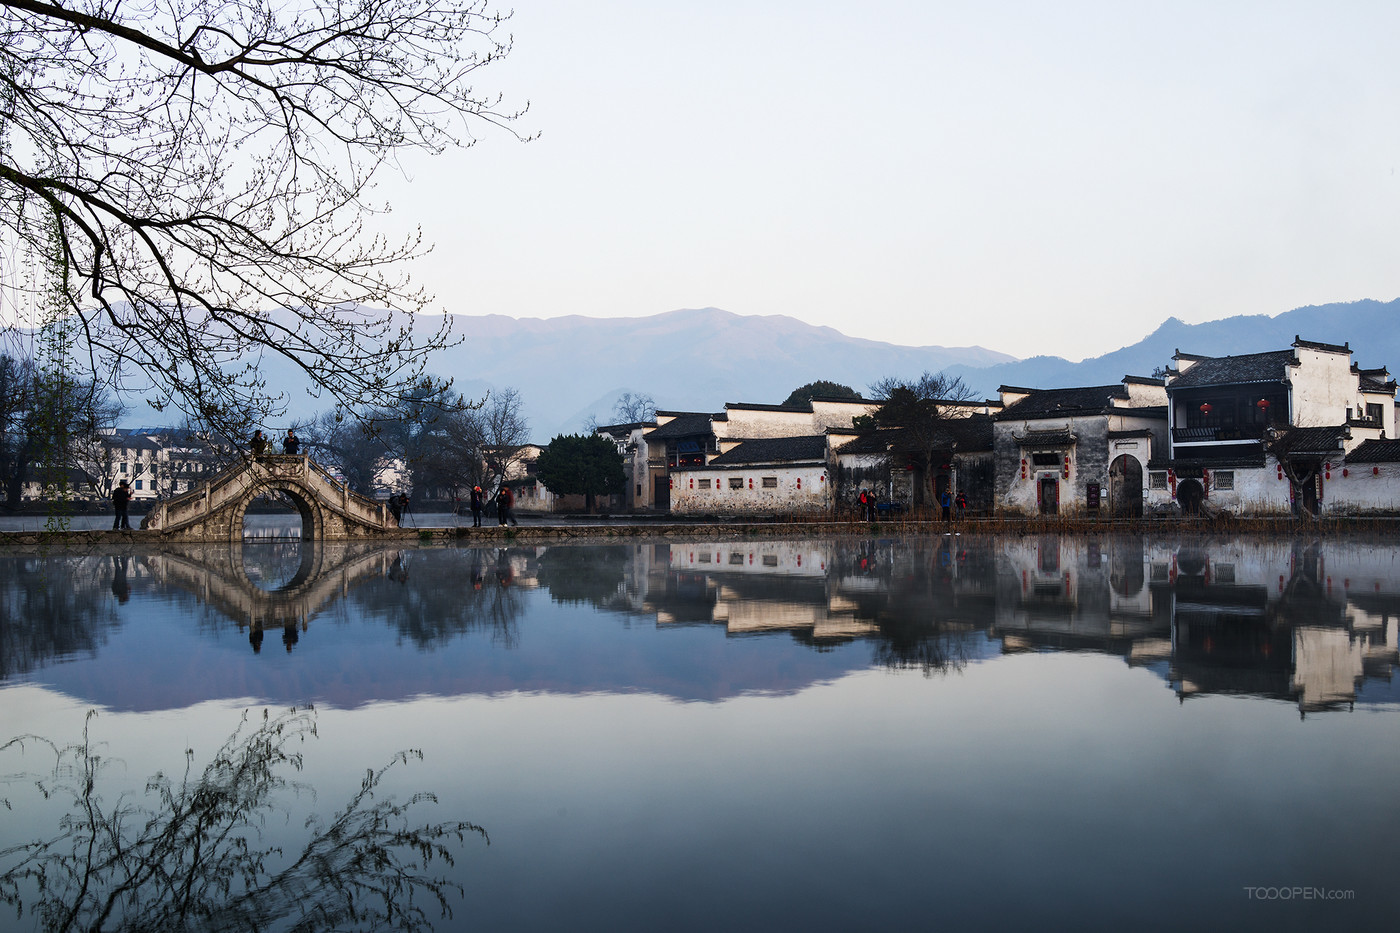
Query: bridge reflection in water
(267, 586)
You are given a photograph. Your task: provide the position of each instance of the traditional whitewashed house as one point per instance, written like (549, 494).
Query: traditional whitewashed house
(767, 476)
(1079, 451)
(630, 440)
(889, 463)
(683, 440)
(1260, 433)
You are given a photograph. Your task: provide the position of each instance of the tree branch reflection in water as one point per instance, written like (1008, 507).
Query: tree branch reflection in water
(197, 859)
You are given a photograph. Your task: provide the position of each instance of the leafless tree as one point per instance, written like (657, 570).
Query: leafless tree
(504, 430)
(634, 408)
(205, 171)
(919, 409)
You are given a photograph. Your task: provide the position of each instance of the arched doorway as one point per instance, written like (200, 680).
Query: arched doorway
(1125, 487)
(1190, 494)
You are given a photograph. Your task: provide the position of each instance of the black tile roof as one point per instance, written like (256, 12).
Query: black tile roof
(1373, 451)
(801, 407)
(624, 428)
(774, 450)
(973, 433)
(1045, 439)
(1236, 370)
(1049, 403)
(1325, 440)
(685, 424)
(1316, 345)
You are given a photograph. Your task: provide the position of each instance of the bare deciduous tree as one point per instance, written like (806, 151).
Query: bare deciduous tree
(190, 853)
(206, 169)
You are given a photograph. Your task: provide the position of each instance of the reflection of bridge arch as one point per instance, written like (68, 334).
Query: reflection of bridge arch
(217, 576)
(214, 511)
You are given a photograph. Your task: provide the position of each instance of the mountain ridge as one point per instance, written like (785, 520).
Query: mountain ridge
(573, 367)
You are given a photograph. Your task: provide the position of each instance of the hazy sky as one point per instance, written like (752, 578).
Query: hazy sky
(1030, 177)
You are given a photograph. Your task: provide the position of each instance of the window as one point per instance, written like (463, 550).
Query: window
(770, 560)
(1157, 480)
(735, 557)
(1224, 479)
(1373, 411)
(138, 484)
(770, 482)
(123, 466)
(1223, 573)
(736, 482)
(704, 484)
(1045, 460)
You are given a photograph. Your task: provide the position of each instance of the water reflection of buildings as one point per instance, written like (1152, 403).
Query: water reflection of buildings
(1312, 623)
(754, 587)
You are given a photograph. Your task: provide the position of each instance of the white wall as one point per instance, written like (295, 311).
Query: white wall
(1324, 387)
(1365, 487)
(799, 489)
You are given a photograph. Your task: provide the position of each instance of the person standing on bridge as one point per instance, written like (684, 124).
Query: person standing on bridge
(505, 499)
(290, 444)
(478, 506)
(258, 445)
(121, 498)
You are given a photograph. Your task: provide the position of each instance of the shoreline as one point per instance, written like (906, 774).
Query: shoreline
(583, 527)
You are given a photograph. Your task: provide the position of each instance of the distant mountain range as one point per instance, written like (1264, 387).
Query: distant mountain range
(696, 360)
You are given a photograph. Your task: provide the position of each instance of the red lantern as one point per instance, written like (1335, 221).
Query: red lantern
(1066, 466)
(799, 482)
(750, 482)
(1375, 471)
(1205, 408)
(1262, 404)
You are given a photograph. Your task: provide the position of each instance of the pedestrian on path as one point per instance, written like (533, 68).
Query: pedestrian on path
(121, 499)
(478, 506)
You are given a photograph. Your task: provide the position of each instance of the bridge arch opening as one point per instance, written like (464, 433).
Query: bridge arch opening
(278, 513)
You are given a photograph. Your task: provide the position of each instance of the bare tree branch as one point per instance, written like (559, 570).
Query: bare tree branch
(209, 167)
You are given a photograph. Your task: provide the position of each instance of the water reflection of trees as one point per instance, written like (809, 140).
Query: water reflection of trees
(195, 857)
(55, 609)
(594, 575)
(428, 599)
(934, 602)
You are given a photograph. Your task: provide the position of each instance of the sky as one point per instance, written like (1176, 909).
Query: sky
(1028, 177)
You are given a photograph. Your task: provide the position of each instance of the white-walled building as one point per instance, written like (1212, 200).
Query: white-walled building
(1079, 451)
(778, 475)
(1267, 433)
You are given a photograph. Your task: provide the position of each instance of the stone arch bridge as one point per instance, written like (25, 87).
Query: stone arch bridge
(214, 511)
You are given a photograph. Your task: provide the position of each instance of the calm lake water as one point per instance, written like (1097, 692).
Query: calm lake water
(905, 733)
